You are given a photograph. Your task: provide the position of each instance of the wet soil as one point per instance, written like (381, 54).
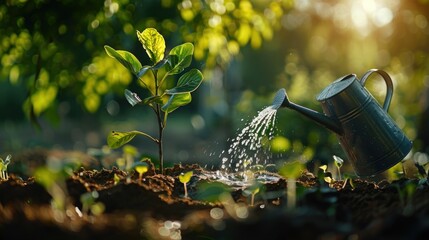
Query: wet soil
(155, 208)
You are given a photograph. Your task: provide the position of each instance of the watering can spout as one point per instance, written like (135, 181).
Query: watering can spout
(281, 100)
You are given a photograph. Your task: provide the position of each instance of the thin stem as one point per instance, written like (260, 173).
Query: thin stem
(186, 190)
(160, 124)
(150, 137)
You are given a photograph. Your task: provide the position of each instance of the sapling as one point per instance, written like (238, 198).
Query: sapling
(185, 178)
(291, 171)
(3, 167)
(156, 78)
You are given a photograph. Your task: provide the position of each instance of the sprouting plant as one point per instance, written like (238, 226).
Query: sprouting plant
(157, 79)
(141, 168)
(324, 175)
(251, 191)
(89, 203)
(348, 179)
(185, 178)
(291, 171)
(338, 163)
(3, 167)
(53, 178)
(116, 179)
(406, 193)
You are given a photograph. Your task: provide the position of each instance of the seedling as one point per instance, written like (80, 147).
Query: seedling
(338, 163)
(3, 167)
(141, 168)
(90, 205)
(185, 178)
(325, 174)
(252, 191)
(291, 171)
(163, 99)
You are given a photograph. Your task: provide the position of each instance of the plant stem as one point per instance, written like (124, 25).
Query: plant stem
(291, 193)
(160, 147)
(186, 190)
(160, 124)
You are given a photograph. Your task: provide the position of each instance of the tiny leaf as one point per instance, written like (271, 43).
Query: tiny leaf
(132, 98)
(185, 177)
(211, 191)
(141, 167)
(188, 82)
(153, 43)
(127, 59)
(338, 161)
(143, 71)
(175, 101)
(118, 139)
(180, 57)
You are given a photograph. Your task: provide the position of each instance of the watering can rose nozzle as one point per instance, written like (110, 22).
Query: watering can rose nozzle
(281, 100)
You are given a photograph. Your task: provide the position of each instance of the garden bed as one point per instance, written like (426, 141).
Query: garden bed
(155, 208)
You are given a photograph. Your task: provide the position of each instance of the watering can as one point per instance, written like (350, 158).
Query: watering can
(369, 137)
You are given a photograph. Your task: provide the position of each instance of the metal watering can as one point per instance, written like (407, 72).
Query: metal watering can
(370, 138)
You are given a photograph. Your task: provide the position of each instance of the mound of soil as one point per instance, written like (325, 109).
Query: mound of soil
(155, 208)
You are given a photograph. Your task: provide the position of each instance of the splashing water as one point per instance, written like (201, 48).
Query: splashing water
(250, 146)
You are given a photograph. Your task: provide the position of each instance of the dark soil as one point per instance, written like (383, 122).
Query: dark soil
(155, 208)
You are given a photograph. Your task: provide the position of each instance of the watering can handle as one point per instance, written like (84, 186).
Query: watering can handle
(389, 85)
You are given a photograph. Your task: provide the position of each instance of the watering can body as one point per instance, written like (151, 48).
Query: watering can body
(368, 135)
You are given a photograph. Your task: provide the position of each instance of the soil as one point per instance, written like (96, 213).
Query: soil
(156, 208)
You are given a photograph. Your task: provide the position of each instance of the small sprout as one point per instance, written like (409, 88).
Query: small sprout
(185, 178)
(327, 176)
(141, 168)
(212, 191)
(338, 163)
(252, 191)
(291, 171)
(348, 178)
(90, 205)
(116, 179)
(3, 167)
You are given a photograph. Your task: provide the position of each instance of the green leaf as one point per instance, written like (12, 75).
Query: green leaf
(143, 71)
(185, 177)
(188, 82)
(211, 191)
(292, 170)
(132, 98)
(175, 101)
(153, 43)
(151, 99)
(127, 59)
(180, 58)
(118, 139)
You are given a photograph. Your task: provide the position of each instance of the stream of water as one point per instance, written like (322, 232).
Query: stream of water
(251, 145)
(249, 148)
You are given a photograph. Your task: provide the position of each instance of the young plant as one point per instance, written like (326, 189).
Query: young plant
(252, 191)
(3, 167)
(291, 171)
(141, 168)
(156, 79)
(89, 203)
(185, 178)
(338, 163)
